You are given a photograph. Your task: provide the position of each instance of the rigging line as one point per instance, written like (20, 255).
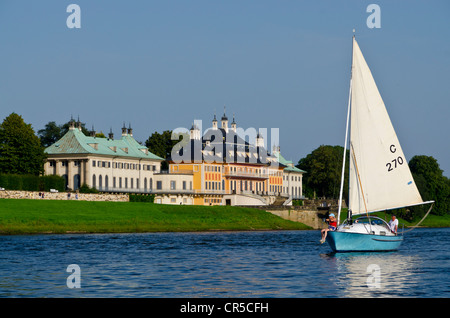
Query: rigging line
(345, 150)
(429, 210)
(360, 184)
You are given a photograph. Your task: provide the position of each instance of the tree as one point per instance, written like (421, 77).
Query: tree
(53, 132)
(21, 151)
(324, 168)
(432, 184)
(161, 145)
(50, 134)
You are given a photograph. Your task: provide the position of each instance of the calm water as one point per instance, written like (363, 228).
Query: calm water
(231, 264)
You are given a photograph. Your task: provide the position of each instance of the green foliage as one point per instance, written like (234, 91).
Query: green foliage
(86, 189)
(162, 144)
(31, 182)
(52, 132)
(432, 184)
(52, 182)
(142, 198)
(21, 151)
(324, 167)
(297, 202)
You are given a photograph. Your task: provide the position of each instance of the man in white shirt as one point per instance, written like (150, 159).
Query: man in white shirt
(393, 224)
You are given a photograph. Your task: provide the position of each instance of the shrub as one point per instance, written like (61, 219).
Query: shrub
(31, 182)
(86, 189)
(142, 198)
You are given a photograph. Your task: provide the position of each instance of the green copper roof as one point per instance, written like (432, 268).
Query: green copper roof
(75, 142)
(289, 164)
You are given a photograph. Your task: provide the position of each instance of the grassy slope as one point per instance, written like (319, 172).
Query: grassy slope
(46, 216)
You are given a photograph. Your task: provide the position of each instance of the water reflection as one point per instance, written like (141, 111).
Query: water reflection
(389, 274)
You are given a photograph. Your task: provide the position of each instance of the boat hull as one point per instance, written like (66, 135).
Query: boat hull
(359, 242)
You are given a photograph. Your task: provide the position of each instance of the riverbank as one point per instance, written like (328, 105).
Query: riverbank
(24, 216)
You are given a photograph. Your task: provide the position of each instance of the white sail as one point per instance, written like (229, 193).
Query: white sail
(380, 178)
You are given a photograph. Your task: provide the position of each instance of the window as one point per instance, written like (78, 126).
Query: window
(184, 185)
(114, 182)
(159, 185)
(120, 182)
(93, 163)
(172, 185)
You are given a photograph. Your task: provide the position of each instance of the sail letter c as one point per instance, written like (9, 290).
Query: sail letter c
(393, 149)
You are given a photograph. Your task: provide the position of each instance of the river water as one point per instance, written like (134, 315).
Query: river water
(287, 264)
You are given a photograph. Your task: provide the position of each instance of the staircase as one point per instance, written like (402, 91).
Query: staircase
(279, 200)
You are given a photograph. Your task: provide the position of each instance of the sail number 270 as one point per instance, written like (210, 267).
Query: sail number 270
(396, 162)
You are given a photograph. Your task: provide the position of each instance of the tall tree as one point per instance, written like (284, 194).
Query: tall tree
(21, 151)
(53, 132)
(162, 144)
(324, 168)
(50, 134)
(432, 184)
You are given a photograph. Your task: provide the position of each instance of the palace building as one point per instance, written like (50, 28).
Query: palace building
(217, 167)
(227, 170)
(107, 164)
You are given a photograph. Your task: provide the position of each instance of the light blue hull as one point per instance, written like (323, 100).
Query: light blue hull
(357, 242)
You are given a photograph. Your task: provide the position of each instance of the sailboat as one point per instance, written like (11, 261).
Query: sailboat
(379, 175)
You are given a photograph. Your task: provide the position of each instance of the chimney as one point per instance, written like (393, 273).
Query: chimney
(259, 140)
(233, 125)
(224, 120)
(71, 123)
(124, 130)
(79, 124)
(195, 132)
(111, 135)
(130, 130)
(92, 133)
(214, 123)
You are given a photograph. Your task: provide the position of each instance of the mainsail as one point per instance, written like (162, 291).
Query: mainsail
(380, 178)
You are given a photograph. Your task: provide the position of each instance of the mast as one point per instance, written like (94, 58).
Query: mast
(345, 143)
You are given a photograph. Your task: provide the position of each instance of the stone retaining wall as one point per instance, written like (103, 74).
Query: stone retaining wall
(10, 194)
(311, 218)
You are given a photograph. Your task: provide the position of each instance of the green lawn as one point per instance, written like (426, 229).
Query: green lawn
(47, 216)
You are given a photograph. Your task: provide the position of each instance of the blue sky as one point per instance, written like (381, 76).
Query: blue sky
(276, 64)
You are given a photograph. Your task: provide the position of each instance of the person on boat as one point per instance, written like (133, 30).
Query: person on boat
(332, 224)
(393, 224)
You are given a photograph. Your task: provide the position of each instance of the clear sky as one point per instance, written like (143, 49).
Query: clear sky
(275, 64)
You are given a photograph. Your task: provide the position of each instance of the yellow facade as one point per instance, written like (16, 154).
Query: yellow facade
(211, 181)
